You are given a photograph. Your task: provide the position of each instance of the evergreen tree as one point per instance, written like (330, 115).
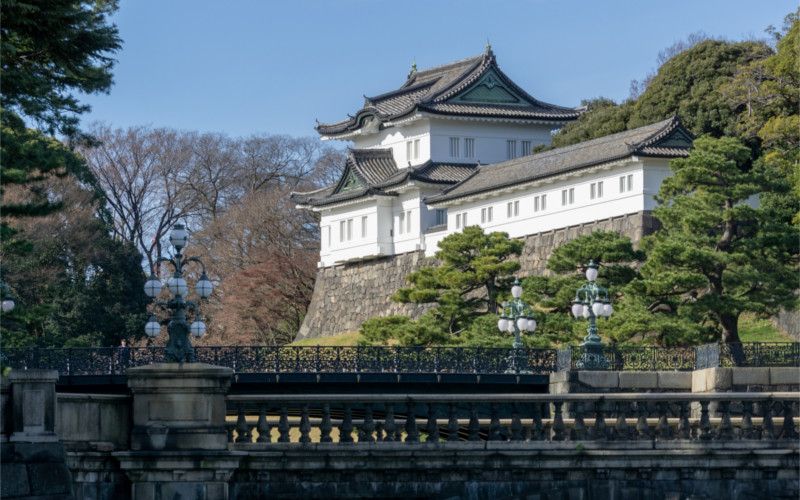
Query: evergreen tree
(719, 251)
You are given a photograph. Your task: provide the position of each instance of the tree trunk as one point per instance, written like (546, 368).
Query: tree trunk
(730, 336)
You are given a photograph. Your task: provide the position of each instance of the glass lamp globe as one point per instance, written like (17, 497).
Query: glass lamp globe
(577, 309)
(516, 290)
(608, 310)
(591, 272)
(197, 329)
(522, 323)
(204, 287)
(7, 305)
(177, 286)
(598, 308)
(152, 328)
(531, 324)
(586, 311)
(510, 326)
(179, 236)
(502, 324)
(152, 287)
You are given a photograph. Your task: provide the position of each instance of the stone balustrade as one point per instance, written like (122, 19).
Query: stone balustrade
(262, 420)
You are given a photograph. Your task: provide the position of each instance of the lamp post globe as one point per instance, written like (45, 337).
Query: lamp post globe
(179, 347)
(7, 305)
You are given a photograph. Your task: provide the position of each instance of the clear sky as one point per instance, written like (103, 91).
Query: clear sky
(244, 67)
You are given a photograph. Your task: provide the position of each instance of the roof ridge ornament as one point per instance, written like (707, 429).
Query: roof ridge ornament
(413, 70)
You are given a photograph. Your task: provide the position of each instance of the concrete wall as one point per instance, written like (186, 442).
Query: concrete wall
(746, 379)
(347, 295)
(94, 421)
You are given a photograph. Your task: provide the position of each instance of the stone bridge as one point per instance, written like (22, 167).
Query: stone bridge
(192, 432)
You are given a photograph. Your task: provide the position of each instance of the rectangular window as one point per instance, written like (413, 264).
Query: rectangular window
(458, 221)
(349, 229)
(454, 147)
(539, 203)
(327, 236)
(416, 149)
(592, 191)
(596, 190)
(600, 189)
(409, 149)
(544, 202)
(535, 203)
(526, 148)
(364, 226)
(464, 218)
(511, 149)
(408, 221)
(441, 216)
(512, 209)
(469, 148)
(625, 183)
(568, 196)
(342, 229)
(401, 223)
(486, 215)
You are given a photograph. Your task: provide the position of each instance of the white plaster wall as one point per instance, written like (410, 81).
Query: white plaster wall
(584, 209)
(396, 138)
(490, 139)
(409, 201)
(358, 246)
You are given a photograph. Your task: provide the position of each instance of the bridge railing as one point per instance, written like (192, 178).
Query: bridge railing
(434, 418)
(294, 359)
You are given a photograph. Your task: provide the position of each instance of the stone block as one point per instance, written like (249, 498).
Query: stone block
(562, 376)
(33, 395)
(712, 380)
(699, 380)
(675, 380)
(599, 379)
(13, 480)
(749, 376)
(49, 479)
(789, 375)
(638, 380)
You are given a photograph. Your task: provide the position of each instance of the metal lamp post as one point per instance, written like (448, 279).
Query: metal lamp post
(516, 317)
(592, 301)
(179, 347)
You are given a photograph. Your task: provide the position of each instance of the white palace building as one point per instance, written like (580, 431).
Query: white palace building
(453, 147)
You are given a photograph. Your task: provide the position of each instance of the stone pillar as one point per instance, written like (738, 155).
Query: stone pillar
(5, 409)
(179, 441)
(33, 396)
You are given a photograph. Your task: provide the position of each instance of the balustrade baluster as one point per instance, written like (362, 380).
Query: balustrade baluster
(412, 433)
(579, 431)
(379, 434)
(642, 428)
(767, 429)
(516, 424)
(474, 426)
(622, 430)
(684, 428)
(599, 430)
(346, 427)
(263, 426)
(705, 424)
(283, 426)
(452, 424)
(494, 423)
(747, 431)
(432, 427)
(537, 432)
(725, 428)
(242, 429)
(368, 427)
(389, 424)
(558, 422)
(305, 425)
(326, 426)
(662, 429)
(787, 429)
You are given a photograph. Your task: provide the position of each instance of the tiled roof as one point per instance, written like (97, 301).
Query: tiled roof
(431, 91)
(666, 138)
(378, 173)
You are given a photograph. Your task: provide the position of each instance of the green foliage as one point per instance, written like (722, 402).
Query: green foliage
(716, 255)
(404, 331)
(50, 49)
(473, 269)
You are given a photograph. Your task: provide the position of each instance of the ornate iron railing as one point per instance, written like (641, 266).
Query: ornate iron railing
(415, 418)
(294, 359)
(404, 360)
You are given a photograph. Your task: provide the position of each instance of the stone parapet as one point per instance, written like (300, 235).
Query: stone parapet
(33, 395)
(587, 381)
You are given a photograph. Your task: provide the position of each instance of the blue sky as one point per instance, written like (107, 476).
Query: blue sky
(244, 67)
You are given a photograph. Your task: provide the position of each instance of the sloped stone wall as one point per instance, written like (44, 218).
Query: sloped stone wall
(345, 296)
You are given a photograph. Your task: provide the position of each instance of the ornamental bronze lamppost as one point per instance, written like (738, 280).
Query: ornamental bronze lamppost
(516, 317)
(592, 301)
(179, 347)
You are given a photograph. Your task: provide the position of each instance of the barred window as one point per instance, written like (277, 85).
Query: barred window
(526, 148)
(469, 148)
(511, 149)
(454, 147)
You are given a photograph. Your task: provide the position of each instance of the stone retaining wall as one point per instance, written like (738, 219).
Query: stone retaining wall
(347, 295)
